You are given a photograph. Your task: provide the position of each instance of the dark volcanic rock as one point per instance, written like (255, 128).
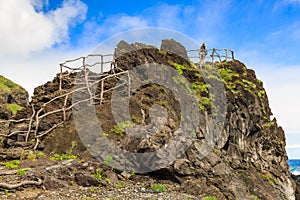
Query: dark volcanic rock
(12, 99)
(86, 180)
(125, 48)
(297, 180)
(174, 47)
(4, 112)
(12, 93)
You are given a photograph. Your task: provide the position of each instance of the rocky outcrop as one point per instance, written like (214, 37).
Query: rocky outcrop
(297, 180)
(174, 47)
(245, 159)
(12, 98)
(12, 93)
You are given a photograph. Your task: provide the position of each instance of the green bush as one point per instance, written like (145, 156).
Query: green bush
(14, 164)
(120, 184)
(6, 83)
(57, 157)
(159, 188)
(14, 108)
(254, 197)
(98, 174)
(210, 198)
(119, 129)
(22, 171)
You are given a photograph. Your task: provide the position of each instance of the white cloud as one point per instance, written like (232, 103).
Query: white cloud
(71, 12)
(37, 68)
(39, 4)
(283, 87)
(198, 20)
(122, 23)
(95, 32)
(24, 30)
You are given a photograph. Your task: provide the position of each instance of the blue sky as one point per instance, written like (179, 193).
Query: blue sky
(37, 35)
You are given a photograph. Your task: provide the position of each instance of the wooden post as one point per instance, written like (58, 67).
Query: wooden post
(86, 78)
(101, 70)
(129, 82)
(64, 107)
(226, 50)
(60, 77)
(212, 57)
(30, 123)
(102, 91)
(232, 53)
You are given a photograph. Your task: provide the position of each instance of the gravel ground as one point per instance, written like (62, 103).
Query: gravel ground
(59, 181)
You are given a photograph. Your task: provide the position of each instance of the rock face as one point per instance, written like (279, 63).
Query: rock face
(174, 47)
(12, 93)
(12, 98)
(297, 180)
(248, 160)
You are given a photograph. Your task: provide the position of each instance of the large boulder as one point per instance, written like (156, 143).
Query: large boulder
(174, 47)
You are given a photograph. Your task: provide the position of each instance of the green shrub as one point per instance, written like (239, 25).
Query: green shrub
(6, 84)
(159, 188)
(22, 171)
(120, 184)
(14, 108)
(210, 198)
(254, 197)
(179, 68)
(98, 174)
(57, 157)
(119, 129)
(14, 164)
(108, 160)
(31, 157)
(227, 74)
(40, 154)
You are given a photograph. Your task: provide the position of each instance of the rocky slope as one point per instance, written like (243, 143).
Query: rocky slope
(12, 98)
(245, 159)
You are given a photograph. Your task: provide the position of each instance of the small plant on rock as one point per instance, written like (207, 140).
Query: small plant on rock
(22, 171)
(58, 157)
(14, 164)
(159, 188)
(120, 128)
(14, 108)
(98, 174)
(31, 157)
(40, 154)
(210, 198)
(254, 197)
(108, 160)
(120, 184)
